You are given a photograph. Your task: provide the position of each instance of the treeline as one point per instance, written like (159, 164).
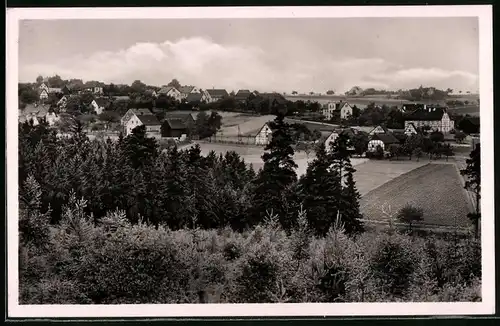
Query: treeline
(174, 187)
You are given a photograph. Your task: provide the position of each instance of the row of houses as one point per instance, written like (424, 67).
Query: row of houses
(37, 113)
(417, 115)
(44, 90)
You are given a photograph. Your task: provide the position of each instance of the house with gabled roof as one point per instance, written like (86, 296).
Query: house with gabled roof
(196, 98)
(172, 92)
(131, 112)
(263, 135)
(217, 94)
(243, 95)
(37, 113)
(99, 104)
(186, 90)
(185, 117)
(381, 139)
(380, 129)
(174, 128)
(143, 117)
(343, 107)
(431, 116)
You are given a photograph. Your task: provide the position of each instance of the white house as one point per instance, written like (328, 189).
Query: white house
(328, 110)
(134, 112)
(381, 139)
(62, 102)
(43, 86)
(331, 138)
(99, 105)
(378, 130)
(36, 113)
(172, 92)
(344, 108)
(44, 94)
(263, 136)
(186, 90)
(434, 117)
(153, 126)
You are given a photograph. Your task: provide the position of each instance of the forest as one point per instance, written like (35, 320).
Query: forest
(125, 222)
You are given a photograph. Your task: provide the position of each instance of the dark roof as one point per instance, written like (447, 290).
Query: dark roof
(175, 123)
(194, 97)
(217, 92)
(271, 97)
(148, 120)
(165, 90)
(181, 116)
(473, 120)
(101, 101)
(428, 113)
(242, 94)
(142, 112)
(410, 107)
(186, 89)
(387, 138)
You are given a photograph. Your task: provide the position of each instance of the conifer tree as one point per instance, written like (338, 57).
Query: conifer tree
(473, 183)
(348, 201)
(273, 185)
(319, 191)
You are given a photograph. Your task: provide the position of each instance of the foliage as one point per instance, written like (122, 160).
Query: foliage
(473, 183)
(410, 214)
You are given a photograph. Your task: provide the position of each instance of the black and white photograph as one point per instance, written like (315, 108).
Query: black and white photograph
(192, 161)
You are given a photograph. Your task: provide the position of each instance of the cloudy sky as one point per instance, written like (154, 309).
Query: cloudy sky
(263, 54)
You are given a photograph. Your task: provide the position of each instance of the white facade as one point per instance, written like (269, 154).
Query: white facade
(329, 141)
(44, 87)
(264, 135)
(377, 130)
(445, 125)
(328, 110)
(98, 109)
(173, 92)
(131, 124)
(410, 129)
(44, 94)
(51, 118)
(372, 145)
(345, 111)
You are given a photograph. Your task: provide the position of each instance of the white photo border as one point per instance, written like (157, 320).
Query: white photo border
(485, 307)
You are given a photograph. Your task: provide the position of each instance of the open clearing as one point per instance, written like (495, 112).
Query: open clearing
(436, 188)
(243, 124)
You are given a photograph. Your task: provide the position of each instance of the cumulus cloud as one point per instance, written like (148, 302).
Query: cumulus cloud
(199, 61)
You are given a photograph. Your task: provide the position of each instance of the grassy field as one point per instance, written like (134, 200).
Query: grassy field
(247, 123)
(436, 188)
(469, 109)
(252, 155)
(374, 173)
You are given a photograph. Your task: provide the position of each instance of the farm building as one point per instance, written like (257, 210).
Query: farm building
(330, 139)
(185, 117)
(172, 92)
(174, 128)
(435, 117)
(381, 139)
(217, 94)
(350, 132)
(263, 136)
(153, 126)
(344, 108)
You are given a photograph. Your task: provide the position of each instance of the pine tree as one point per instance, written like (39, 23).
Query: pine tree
(349, 197)
(319, 190)
(473, 183)
(140, 149)
(273, 185)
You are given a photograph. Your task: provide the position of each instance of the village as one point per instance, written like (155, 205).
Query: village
(381, 154)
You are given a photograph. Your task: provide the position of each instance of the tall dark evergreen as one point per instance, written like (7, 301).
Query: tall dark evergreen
(319, 191)
(140, 149)
(473, 183)
(275, 181)
(348, 204)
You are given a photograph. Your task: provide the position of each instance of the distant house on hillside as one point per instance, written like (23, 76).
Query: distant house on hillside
(186, 90)
(172, 92)
(66, 90)
(151, 92)
(94, 89)
(134, 112)
(217, 94)
(196, 98)
(432, 116)
(271, 99)
(343, 107)
(153, 126)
